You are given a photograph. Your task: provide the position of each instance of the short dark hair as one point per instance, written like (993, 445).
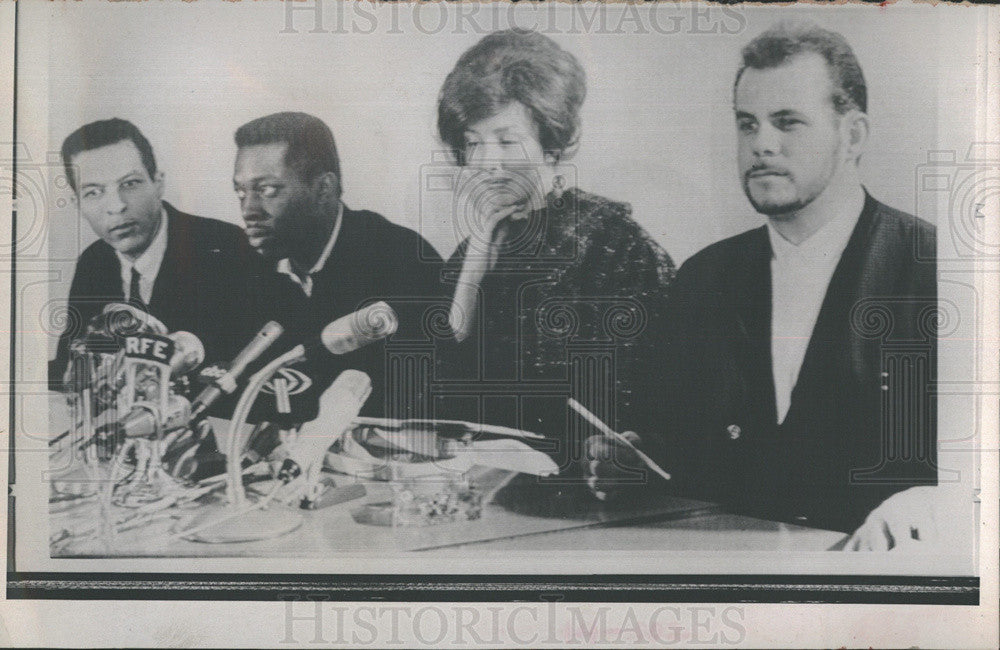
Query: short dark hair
(514, 65)
(101, 134)
(785, 40)
(311, 148)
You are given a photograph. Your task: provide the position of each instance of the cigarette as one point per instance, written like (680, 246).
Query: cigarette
(611, 433)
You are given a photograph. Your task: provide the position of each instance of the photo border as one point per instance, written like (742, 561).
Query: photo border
(612, 588)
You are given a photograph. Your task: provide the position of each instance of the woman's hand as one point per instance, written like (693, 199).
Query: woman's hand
(486, 239)
(481, 255)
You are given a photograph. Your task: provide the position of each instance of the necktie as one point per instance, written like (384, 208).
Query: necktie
(134, 295)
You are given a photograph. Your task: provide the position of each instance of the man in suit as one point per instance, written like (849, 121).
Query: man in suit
(799, 356)
(327, 260)
(191, 273)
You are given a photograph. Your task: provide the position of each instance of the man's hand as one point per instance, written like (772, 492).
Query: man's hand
(611, 465)
(922, 519)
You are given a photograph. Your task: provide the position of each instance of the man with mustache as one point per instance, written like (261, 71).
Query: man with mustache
(326, 259)
(191, 273)
(784, 397)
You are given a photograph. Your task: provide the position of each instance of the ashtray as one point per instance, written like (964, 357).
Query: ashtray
(424, 501)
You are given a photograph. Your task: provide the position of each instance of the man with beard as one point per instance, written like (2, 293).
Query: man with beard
(787, 393)
(327, 259)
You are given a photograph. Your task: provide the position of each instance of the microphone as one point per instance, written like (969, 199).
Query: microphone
(189, 353)
(338, 407)
(145, 419)
(355, 330)
(79, 373)
(226, 384)
(119, 319)
(88, 358)
(105, 334)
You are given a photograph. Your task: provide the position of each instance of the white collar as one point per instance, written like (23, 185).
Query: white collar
(285, 265)
(825, 245)
(148, 264)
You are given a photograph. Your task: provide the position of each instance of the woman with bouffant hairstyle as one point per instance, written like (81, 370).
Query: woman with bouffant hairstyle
(515, 66)
(543, 268)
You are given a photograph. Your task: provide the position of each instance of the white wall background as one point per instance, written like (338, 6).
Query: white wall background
(658, 129)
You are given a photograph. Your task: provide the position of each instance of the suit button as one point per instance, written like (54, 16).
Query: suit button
(734, 431)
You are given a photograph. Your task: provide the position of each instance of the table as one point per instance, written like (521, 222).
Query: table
(525, 515)
(680, 525)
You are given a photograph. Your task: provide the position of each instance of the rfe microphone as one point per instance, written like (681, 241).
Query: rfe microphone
(226, 384)
(145, 418)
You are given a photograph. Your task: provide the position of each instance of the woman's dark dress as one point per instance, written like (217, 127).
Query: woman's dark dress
(567, 311)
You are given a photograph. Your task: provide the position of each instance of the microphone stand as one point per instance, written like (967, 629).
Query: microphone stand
(242, 522)
(239, 521)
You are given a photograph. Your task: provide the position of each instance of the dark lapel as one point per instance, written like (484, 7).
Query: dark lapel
(832, 335)
(176, 269)
(751, 287)
(108, 276)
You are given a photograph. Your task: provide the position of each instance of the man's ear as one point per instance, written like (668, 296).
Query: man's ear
(158, 183)
(327, 187)
(855, 131)
(73, 180)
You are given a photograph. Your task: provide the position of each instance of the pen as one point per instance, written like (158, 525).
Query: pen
(608, 431)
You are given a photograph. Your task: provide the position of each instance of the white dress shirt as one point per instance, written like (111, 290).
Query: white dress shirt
(800, 276)
(148, 264)
(306, 284)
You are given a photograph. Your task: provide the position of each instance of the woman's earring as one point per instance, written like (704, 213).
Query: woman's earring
(558, 187)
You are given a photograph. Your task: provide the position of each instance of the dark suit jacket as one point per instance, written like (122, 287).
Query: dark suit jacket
(372, 260)
(203, 286)
(861, 425)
